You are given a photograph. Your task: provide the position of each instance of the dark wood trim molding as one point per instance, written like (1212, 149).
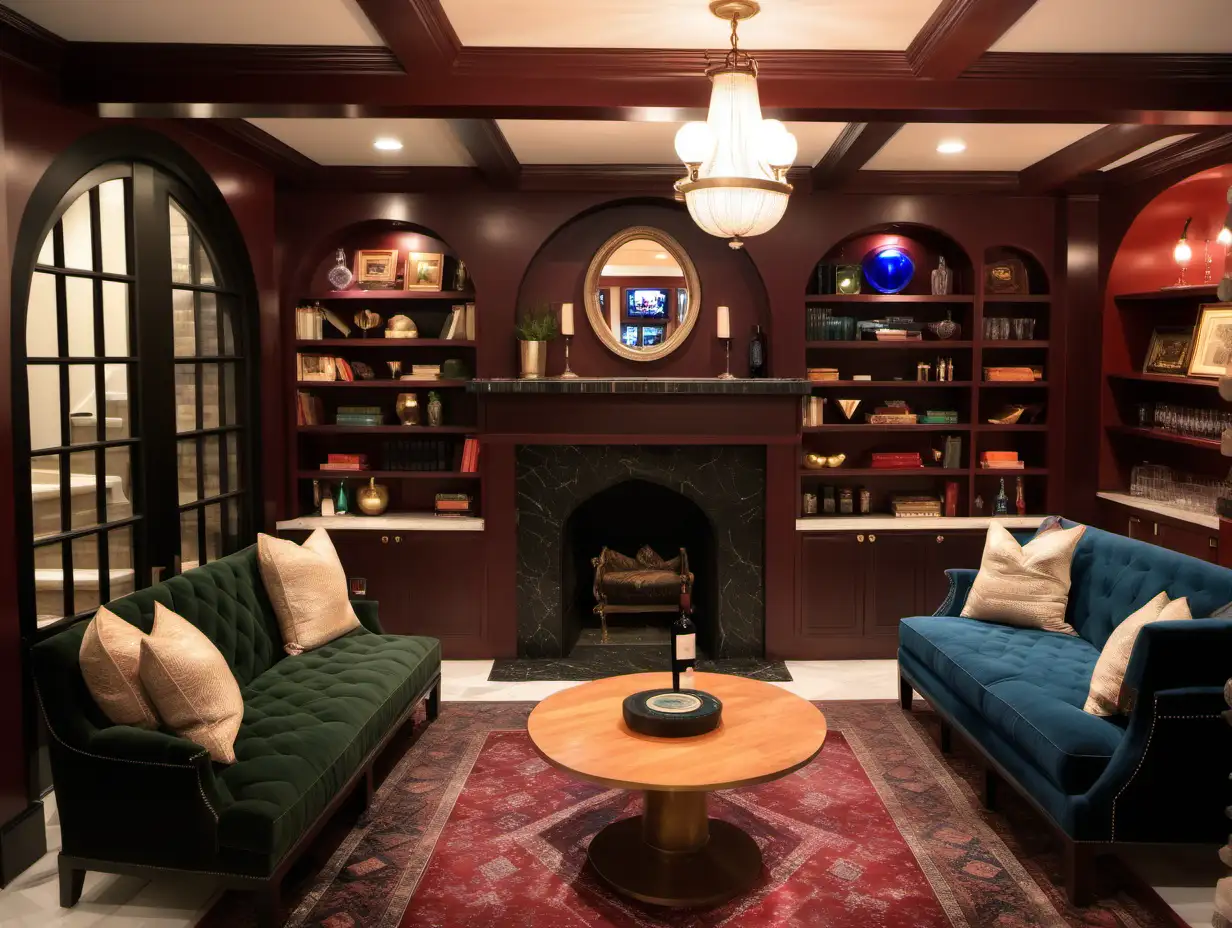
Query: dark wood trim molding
(1089, 153)
(256, 144)
(488, 148)
(959, 32)
(944, 182)
(28, 43)
(858, 142)
(417, 32)
(1196, 153)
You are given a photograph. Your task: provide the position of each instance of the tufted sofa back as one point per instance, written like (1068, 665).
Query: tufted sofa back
(1112, 576)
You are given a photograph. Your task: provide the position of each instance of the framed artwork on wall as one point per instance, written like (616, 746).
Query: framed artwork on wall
(1212, 351)
(377, 269)
(1169, 350)
(424, 271)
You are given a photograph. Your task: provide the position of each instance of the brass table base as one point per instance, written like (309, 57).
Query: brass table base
(675, 855)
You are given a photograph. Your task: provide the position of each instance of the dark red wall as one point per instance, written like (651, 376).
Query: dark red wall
(36, 129)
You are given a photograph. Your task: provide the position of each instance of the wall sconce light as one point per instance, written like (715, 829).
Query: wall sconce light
(1182, 253)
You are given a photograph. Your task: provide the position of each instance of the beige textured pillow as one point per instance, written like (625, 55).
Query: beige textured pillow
(1105, 695)
(110, 662)
(1024, 585)
(308, 589)
(191, 685)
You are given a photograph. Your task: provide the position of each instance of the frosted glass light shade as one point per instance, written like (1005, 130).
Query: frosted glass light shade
(778, 146)
(736, 212)
(694, 142)
(1182, 252)
(1224, 237)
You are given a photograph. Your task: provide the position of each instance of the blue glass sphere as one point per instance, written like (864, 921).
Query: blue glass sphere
(888, 269)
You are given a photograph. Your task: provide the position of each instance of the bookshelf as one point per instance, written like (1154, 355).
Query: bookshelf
(413, 462)
(892, 367)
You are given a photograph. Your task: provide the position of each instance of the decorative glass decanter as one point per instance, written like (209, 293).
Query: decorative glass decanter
(941, 278)
(340, 275)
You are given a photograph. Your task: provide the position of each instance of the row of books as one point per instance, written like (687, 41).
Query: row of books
(892, 460)
(470, 456)
(345, 462)
(453, 504)
(310, 322)
(359, 416)
(906, 507)
(461, 323)
(309, 409)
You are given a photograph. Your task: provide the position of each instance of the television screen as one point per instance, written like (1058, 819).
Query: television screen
(648, 304)
(653, 335)
(628, 335)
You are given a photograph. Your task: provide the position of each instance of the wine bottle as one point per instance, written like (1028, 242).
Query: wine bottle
(1001, 507)
(684, 651)
(757, 353)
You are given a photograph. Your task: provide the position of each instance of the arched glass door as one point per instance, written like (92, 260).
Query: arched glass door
(137, 396)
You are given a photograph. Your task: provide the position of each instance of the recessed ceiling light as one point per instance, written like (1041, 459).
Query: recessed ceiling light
(387, 144)
(662, 256)
(951, 146)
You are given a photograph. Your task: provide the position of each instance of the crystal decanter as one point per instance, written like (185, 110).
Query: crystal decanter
(340, 275)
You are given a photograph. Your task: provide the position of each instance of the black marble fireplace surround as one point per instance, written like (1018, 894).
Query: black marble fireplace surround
(727, 484)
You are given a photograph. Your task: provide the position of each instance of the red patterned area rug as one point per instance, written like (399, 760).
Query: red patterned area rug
(471, 829)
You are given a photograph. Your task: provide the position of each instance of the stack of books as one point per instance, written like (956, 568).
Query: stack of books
(424, 372)
(813, 411)
(822, 373)
(453, 504)
(470, 456)
(898, 335)
(1001, 460)
(346, 462)
(461, 323)
(915, 506)
(309, 410)
(894, 412)
(359, 415)
(309, 323)
(940, 417)
(892, 460)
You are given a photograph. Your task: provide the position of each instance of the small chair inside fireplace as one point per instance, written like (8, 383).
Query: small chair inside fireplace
(645, 583)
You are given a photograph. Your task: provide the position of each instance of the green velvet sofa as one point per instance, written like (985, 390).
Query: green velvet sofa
(1156, 776)
(140, 802)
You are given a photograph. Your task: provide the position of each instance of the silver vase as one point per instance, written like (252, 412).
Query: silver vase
(534, 356)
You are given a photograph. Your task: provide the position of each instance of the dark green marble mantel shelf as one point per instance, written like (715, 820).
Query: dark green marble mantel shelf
(693, 386)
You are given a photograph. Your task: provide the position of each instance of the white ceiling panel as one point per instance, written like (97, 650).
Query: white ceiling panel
(989, 147)
(1146, 150)
(224, 22)
(426, 142)
(548, 141)
(1163, 26)
(842, 24)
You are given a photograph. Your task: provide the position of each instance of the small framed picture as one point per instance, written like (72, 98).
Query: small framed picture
(1169, 351)
(424, 271)
(1212, 351)
(377, 270)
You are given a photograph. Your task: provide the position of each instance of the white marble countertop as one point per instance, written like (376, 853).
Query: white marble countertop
(1206, 520)
(884, 523)
(394, 521)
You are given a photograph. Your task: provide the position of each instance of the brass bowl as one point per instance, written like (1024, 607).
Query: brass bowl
(815, 462)
(835, 460)
(372, 499)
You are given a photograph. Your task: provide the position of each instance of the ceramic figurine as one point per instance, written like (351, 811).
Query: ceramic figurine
(460, 279)
(941, 278)
(436, 412)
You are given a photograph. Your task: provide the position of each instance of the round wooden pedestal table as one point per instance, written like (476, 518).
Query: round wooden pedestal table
(675, 854)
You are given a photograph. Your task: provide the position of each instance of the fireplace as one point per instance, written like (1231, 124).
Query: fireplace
(572, 500)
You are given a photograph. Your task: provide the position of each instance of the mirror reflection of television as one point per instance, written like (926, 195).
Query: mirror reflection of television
(628, 335)
(653, 335)
(646, 304)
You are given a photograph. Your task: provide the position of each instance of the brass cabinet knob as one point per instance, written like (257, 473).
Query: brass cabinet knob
(871, 539)
(860, 538)
(940, 538)
(384, 539)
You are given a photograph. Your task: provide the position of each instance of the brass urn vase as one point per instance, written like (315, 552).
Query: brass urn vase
(407, 408)
(373, 499)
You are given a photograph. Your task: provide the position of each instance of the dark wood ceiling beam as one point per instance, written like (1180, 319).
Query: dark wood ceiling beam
(943, 182)
(486, 144)
(28, 43)
(858, 142)
(1196, 153)
(1089, 153)
(959, 32)
(257, 145)
(417, 32)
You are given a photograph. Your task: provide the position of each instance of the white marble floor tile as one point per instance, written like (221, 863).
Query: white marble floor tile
(32, 900)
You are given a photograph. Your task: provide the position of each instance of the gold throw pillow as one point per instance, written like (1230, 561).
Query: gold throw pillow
(1104, 697)
(1024, 585)
(111, 664)
(191, 684)
(308, 589)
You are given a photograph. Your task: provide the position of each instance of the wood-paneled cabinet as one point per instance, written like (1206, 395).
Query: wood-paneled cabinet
(1186, 538)
(856, 586)
(428, 583)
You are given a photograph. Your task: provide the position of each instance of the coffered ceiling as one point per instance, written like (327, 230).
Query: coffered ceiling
(549, 94)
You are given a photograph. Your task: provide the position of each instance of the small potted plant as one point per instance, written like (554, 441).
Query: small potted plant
(535, 328)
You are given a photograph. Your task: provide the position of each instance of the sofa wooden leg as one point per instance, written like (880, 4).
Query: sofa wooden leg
(1080, 872)
(72, 881)
(268, 903)
(433, 704)
(991, 781)
(947, 738)
(905, 693)
(369, 789)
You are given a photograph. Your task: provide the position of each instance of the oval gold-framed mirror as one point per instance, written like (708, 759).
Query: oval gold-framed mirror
(643, 295)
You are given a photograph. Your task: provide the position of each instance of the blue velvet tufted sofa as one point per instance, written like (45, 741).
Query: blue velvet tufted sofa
(1158, 775)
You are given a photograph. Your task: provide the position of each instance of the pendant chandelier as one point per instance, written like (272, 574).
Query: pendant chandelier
(737, 162)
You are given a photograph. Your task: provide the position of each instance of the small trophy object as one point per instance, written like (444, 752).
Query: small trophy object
(367, 320)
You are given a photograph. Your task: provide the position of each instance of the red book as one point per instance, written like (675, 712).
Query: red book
(468, 453)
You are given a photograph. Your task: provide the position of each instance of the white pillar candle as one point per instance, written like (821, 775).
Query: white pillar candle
(566, 318)
(724, 323)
